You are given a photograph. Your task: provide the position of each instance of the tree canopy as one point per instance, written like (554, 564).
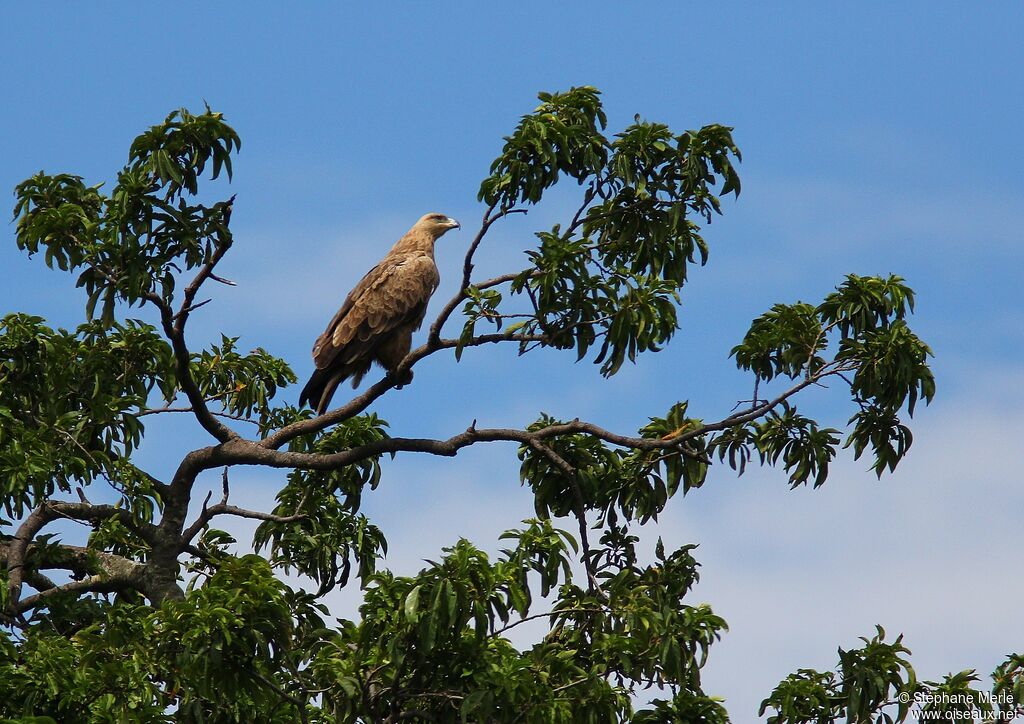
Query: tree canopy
(152, 618)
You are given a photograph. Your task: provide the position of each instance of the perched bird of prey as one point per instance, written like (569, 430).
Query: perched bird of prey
(377, 319)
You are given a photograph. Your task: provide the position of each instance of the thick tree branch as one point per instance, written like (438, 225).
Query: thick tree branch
(18, 548)
(96, 584)
(81, 561)
(100, 571)
(240, 452)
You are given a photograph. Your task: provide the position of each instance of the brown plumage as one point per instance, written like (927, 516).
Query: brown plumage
(377, 319)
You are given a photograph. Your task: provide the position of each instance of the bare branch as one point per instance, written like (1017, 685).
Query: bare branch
(99, 566)
(168, 408)
(174, 329)
(241, 452)
(550, 614)
(571, 684)
(467, 272)
(222, 280)
(94, 584)
(587, 198)
(192, 308)
(222, 508)
(205, 272)
(297, 703)
(17, 549)
(79, 560)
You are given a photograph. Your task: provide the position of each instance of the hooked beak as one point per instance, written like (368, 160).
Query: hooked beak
(453, 224)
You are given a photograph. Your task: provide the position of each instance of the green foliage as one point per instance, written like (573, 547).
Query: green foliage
(481, 304)
(871, 681)
(207, 658)
(242, 384)
(784, 341)
(865, 319)
(231, 630)
(331, 533)
(432, 643)
(1008, 683)
(806, 696)
(562, 136)
(612, 275)
(685, 706)
(804, 449)
(50, 442)
(685, 464)
(876, 683)
(953, 699)
(862, 304)
(131, 243)
(635, 484)
(176, 152)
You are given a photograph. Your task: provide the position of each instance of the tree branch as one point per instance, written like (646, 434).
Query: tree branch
(580, 510)
(222, 508)
(242, 452)
(205, 272)
(467, 271)
(81, 561)
(18, 548)
(360, 402)
(168, 408)
(174, 329)
(297, 703)
(175, 333)
(93, 584)
(103, 572)
(550, 614)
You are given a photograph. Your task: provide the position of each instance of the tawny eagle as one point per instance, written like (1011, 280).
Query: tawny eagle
(377, 319)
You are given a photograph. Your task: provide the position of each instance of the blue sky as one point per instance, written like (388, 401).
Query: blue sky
(876, 139)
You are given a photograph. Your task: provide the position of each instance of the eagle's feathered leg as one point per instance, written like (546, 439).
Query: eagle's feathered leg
(390, 354)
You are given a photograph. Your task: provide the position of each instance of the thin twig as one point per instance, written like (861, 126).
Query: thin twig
(298, 703)
(580, 510)
(209, 512)
(467, 272)
(550, 614)
(225, 415)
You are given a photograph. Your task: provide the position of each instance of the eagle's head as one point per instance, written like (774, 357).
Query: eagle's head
(436, 224)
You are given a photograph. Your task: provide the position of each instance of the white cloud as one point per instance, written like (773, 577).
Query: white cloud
(925, 552)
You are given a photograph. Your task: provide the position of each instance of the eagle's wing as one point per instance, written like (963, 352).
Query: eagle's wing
(392, 295)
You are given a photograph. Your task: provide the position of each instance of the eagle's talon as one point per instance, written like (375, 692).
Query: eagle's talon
(400, 379)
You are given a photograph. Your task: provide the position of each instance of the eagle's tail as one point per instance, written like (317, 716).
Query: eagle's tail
(322, 384)
(314, 389)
